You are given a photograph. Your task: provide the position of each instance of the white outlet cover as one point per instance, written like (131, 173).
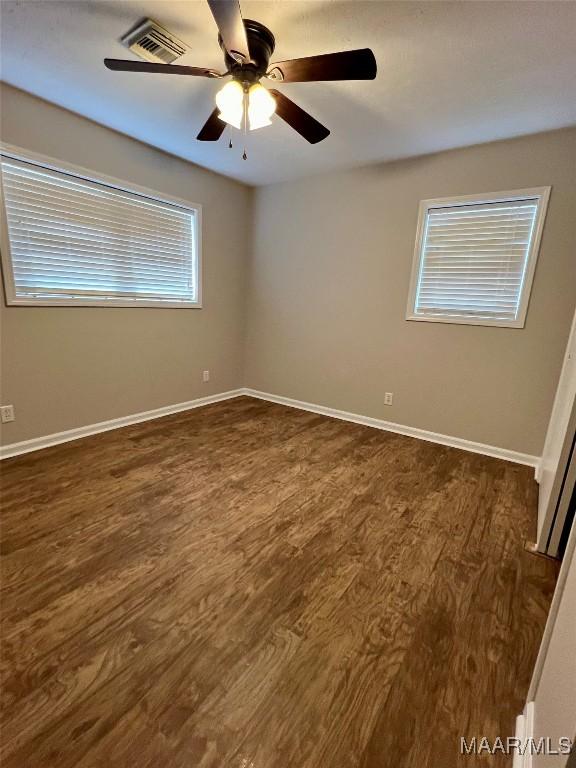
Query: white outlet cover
(7, 412)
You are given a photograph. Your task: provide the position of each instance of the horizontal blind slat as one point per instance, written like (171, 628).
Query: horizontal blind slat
(57, 276)
(54, 240)
(30, 211)
(35, 210)
(46, 177)
(99, 295)
(54, 258)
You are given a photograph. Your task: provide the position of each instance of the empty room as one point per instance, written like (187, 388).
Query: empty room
(288, 384)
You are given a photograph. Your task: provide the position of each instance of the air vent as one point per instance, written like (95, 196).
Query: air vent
(154, 43)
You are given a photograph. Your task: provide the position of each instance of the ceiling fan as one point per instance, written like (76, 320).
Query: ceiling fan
(244, 102)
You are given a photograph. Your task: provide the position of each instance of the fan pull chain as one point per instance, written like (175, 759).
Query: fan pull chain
(245, 116)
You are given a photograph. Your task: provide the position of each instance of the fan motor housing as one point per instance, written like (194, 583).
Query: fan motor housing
(261, 44)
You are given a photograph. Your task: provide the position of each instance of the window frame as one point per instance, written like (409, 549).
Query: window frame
(542, 194)
(12, 300)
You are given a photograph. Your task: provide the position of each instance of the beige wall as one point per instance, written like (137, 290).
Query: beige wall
(329, 283)
(327, 287)
(68, 367)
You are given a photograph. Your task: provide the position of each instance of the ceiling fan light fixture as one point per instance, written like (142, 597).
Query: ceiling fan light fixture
(230, 102)
(243, 102)
(261, 107)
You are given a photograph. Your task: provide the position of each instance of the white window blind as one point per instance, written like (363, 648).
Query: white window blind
(475, 260)
(78, 241)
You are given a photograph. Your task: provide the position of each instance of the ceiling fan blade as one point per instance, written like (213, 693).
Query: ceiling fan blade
(125, 65)
(297, 118)
(346, 65)
(228, 18)
(213, 128)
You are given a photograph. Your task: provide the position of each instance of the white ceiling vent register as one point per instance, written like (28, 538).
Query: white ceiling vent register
(152, 42)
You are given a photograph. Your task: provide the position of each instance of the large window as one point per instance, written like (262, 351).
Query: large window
(475, 258)
(75, 239)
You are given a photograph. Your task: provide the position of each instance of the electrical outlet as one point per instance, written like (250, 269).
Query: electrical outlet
(205, 376)
(388, 397)
(7, 413)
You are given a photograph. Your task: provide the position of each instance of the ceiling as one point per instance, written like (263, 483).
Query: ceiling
(449, 74)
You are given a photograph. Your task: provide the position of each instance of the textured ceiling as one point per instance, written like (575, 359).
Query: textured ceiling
(450, 74)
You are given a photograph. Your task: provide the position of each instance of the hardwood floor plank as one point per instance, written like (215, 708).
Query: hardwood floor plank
(248, 584)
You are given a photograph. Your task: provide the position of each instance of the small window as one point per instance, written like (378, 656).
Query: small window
(75, 240)
(475, 258)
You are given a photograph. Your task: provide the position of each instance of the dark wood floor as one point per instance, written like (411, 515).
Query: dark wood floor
(253, 586)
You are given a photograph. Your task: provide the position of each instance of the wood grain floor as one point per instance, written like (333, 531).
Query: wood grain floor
(253, 586)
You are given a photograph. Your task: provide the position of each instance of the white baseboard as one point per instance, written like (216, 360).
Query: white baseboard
(528, 731)
(524, 732)
(37, 443)
(520, 734)
(389, 426)
(538, 471)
